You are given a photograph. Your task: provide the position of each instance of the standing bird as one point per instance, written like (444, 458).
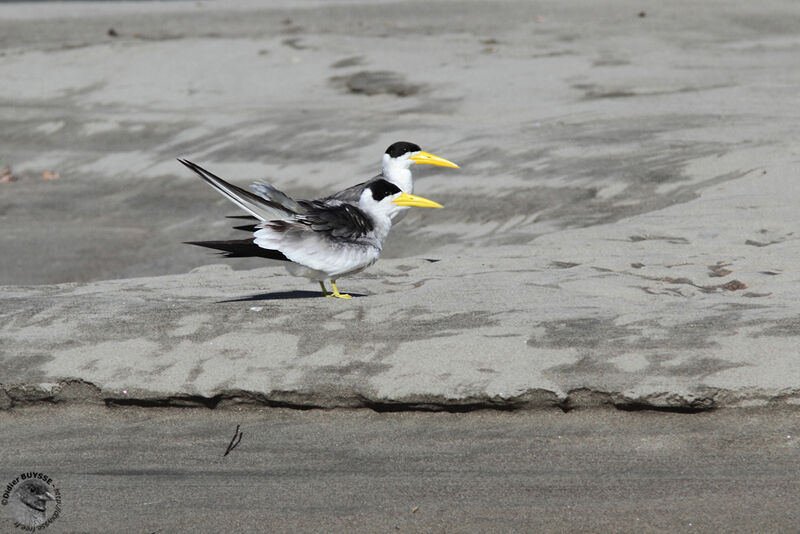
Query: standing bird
(28, 503)
(320, 239)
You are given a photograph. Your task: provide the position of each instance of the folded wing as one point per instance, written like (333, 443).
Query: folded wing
(328, 238)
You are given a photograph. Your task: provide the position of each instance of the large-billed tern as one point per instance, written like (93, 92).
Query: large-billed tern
(395, 168)
(319, 239)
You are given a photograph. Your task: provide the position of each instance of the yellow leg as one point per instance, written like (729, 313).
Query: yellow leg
(324, 291)
(336, 292)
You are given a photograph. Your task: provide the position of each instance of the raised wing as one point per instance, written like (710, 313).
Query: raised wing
(262, 208)
(269, 192)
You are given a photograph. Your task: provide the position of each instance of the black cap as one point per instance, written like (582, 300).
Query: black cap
(401, 147)
(382, 189)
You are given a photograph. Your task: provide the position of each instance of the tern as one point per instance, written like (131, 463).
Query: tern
(395, 168)
(319, 239)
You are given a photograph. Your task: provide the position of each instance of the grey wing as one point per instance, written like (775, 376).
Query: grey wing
(352, 194)
(339, 221)
(269, 192)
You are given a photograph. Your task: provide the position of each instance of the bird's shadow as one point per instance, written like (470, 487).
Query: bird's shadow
(284, 295)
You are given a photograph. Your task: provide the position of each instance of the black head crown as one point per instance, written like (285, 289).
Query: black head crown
(399, 148)
(382, 189)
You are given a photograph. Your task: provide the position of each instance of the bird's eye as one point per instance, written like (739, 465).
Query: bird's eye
(32, 489)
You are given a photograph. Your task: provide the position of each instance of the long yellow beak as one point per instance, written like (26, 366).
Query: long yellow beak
(413, 200)
(430, 159)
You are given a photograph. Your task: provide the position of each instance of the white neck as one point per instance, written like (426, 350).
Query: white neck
(381, 214)
(396, 170)
(382, 226)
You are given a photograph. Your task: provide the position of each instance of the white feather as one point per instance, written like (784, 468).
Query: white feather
(324, 258)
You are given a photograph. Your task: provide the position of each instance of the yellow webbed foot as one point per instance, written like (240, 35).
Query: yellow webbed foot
(336, 292)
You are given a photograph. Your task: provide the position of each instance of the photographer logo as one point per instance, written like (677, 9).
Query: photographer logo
(33, 499)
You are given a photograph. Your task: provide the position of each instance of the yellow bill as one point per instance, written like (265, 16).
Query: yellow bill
(413, 200)
(431, 159)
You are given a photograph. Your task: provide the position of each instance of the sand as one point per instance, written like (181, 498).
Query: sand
(621, 230)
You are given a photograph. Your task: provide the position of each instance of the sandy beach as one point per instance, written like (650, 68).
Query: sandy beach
(620, 235)
(622, 222)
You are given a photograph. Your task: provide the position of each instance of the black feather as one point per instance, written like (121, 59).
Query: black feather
(382, 189)
(247, 228)
(240, 248)
(344, 221)
(396, 150)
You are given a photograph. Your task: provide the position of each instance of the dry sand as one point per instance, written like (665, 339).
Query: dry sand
(622, 229)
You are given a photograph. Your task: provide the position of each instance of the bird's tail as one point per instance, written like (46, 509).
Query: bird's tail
(252, 225)
(262, 208)
(240, 248)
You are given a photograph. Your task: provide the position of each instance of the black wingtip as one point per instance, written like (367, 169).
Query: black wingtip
(240, 248)
(252, 228)
(187, 163)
